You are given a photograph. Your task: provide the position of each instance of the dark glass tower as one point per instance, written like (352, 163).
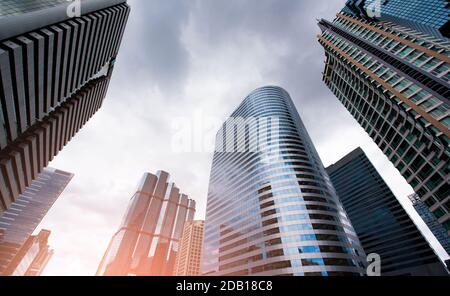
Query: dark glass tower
(427, 16)
(54, 74)
(382, 224)
(25, 214)
(396, 84)
(271, 208)
(148, 240)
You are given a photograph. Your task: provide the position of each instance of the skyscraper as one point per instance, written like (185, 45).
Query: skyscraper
(189, 254)
(147, 242)
(271, 207)
(32, 257)
(27, 212)
(382, 224)
(395, 82)
(54, 74)
(429, 17)
(439, 232)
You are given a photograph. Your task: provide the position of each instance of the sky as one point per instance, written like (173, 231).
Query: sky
(188, 64)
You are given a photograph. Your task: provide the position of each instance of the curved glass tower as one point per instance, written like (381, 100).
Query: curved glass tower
(271, 207)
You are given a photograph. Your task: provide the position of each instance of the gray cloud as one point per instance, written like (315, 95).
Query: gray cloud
(178, 58)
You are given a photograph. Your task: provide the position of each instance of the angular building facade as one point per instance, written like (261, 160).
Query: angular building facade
(18, 223)
(430, 17)
(148, 240)
(439, 232)
(54, 74)
(271, 208)
(190, 250)
(380, 221)
(32, 257)
(395, 83)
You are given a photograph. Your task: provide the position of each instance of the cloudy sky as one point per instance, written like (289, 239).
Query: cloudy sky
(181, 61)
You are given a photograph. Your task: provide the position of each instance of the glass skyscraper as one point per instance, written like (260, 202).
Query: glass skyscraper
(271, 208)
(439, 232)
(428, 16)
(54, 74)
(148, 240)
(189, 254)
(27, 212)
(32, 257)
(395, 83)
(380, 221)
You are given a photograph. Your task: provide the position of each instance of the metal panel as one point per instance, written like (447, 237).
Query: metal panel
(79, 53)
(84, 50)
(20, 108)
(24, 151)
(72, 54)
(106, 37)
(29, 78)
(99, 41)
(52, 122)
(8, 175)
(33, 156)
(57, 60)
(49, 38)
(67, 31)
(92, 49)
(5, 194)
(62, 111)
(39, 135)
(58, 142)
(39, 54)
(18, 170)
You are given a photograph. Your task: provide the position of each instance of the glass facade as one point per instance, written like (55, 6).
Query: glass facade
(13, 7)
(32, 257)
(396, 85)
(24, 215)
(439, 232)
(382, 224)
(147, 242)
(271, 208)
(430, 16)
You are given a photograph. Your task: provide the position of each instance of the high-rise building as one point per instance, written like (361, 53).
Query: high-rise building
(190, 250)
(32, 257)
(380, 221)
(54, 74)
(148, 240)
(27, 212)
(395, 83)
(439, 232)
(429, 17)
(271, 207)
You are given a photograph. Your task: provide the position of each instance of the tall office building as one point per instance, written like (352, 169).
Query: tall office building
(54, 74)
(395, 82)
(382, 224)
(271, 207)
(32, 257)
(430, 16)
(148, 240)
(27, 212)
(189, 254)
(439, 232)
